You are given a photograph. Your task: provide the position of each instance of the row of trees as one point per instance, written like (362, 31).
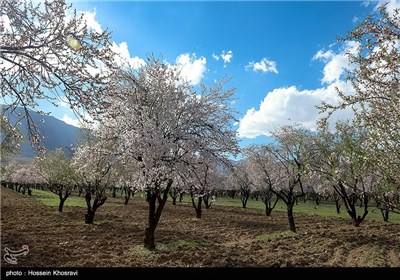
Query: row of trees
(157, 130)
(328, 165)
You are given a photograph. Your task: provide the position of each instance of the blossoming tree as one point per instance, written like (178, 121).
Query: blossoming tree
(49, 53)
(161, 122)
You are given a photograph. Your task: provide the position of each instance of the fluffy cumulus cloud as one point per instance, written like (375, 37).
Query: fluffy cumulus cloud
(91, 22)
(67, 119)
(264, 65)
(124, 57)
(191, 68)
(289, 105)
(225, 56)
(391, 5)
(336, 63)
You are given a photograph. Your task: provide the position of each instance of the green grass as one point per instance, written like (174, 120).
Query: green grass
(50, 199)
(276, 235)
(138, 251)
(182, 244)
(368, 257)
(308, 208)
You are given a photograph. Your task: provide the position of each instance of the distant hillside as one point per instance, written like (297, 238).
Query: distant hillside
(57, 133)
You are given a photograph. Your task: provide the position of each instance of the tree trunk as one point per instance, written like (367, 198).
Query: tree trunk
(292, 225)
(337, 204)
(207, 201)
(114, 192)
(181, 196)
(244, 199)
(61, 204)
(149, 240)
(89, 217)
(385, 214)
(174, 199)
(91, 210)
(268, 211)
(154, 215)
(62, 199)
(198, 209)
(355, 222)
(127, 196)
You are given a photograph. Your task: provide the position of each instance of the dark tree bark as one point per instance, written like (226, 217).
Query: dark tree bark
(128, 195)
(91, 210)
(385, 214)
(317, 199)
(290, 198)
(350, 204)
(207, 201)
(62, 200)
(231, 193)
(155, 214)
(337, 202)
(383, 207)
(181, 196)
(244, 198)
(197, 207)
(292, 225)
(174, 195)
(269, 206)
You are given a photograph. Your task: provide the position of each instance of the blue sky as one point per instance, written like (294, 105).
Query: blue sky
(281, 55)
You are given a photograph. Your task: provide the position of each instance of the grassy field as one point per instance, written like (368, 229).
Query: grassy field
(309, 208)
(50, 199)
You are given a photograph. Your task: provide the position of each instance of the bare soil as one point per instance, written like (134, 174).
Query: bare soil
(223, 237)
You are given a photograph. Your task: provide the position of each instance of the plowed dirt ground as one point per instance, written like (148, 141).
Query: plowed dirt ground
(223, 237)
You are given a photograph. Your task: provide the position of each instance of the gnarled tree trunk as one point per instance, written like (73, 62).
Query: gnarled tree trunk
(155, 214)
(91, 210)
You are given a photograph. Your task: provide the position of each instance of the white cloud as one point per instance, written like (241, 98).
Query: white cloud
(391, 5)
(227, 57)
(336, 64)
(324, 55)
(191, 69)
(124, 56)
(71, 121)
(291, 106)
(264, 65)
(216, 57)
(6, 23)
(91, 22)
(63, 102)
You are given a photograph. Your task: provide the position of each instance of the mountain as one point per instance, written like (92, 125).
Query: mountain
(57, 133)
